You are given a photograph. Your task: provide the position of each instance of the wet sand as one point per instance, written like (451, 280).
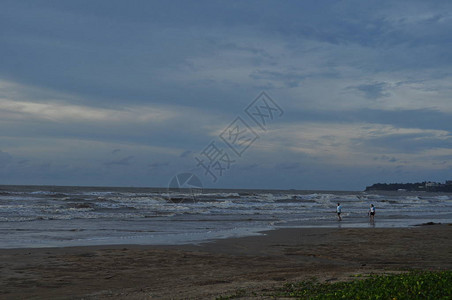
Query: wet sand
(206, 271)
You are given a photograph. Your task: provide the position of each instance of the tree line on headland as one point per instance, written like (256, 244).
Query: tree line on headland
(426, 186)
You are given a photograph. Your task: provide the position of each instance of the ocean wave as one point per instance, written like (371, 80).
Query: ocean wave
(442, 197)
(219, 195)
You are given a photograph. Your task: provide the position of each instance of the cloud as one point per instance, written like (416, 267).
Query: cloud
(125, 161)
(185, 154)
(357, 143)
(159, 165)
(372, 91)
(248, 167)
(415, 142)
(5, 158)
(386, 158)
(290, 79)
(289, 166)
(58, 112)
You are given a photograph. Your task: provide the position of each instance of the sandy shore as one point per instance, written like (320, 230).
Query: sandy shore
(222, 267)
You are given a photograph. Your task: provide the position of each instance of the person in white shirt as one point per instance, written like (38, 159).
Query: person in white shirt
(371, 213)
(339, 210)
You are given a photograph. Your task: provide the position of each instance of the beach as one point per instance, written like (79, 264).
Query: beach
(225, 149)
(255, 264)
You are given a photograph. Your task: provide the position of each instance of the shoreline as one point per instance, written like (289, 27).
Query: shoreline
(221, 267)
(256, 233)
(251, 233)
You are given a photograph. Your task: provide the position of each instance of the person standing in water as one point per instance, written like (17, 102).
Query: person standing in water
(371, 213)
(339, 210)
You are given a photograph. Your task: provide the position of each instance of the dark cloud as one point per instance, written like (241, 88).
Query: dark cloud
(158, 165)
(185, 153)
(407, 142)
(126, 161)
(115, 51)
(409, 118)
(23, 161)
(372, 91)
(386, 158)
(289, 79)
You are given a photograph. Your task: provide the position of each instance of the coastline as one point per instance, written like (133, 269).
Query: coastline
(221, 267)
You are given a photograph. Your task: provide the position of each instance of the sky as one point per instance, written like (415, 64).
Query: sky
(133, 93)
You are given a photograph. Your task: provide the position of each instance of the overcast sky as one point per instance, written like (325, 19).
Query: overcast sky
(131, 93)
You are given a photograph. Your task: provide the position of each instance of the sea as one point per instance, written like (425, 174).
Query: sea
(53, 216)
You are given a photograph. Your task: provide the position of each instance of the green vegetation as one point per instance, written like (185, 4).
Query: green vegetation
(417, 186)
(237, 294)
(414, 285)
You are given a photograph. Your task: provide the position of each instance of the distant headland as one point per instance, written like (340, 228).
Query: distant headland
(426, 186)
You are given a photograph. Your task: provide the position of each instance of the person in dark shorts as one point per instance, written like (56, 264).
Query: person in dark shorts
(338, 211)
(371, 213)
